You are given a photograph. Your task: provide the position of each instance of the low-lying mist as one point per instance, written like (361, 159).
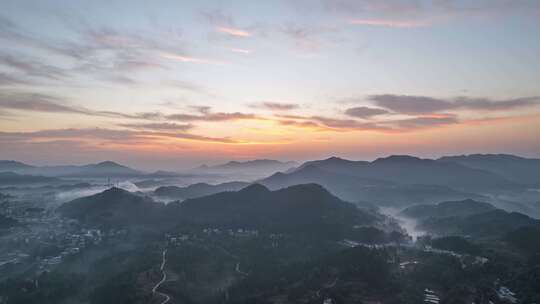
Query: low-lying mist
(409, 224)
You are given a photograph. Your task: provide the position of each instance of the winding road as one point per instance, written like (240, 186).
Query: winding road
(163, 279)
(237, 269)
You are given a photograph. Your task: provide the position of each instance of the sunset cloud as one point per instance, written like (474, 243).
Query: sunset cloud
(390, 23)
(364, 112)
(425, 122)
(219, 116)
(324, 123)
(233, 31)
(37, 103)
(31, 67)
(8, 80)
(97, 135)
(189, 59)
(409, 104)
(276, 106)
(159, 126)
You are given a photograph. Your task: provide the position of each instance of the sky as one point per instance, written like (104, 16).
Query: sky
(173, 84)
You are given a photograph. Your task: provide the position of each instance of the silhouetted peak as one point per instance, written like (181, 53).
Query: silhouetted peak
(489, 157)
(311, 187)
(254, 189)
(13, 164)
(334, 159)
(201, 184)
(114, 192)
(398, 159)
(108, 164)
(277, 174)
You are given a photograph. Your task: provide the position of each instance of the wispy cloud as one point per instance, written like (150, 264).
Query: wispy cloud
(233, 31)
(425, 122)
(409, 104)
(390, 23)
(224, 23)
(31, 67)
(8, 80)
(275, 106)
(101, 53)
(365, 112)
(189, 59)
(37, 103)
(97, 136)
(323, 123)
(208, 116)
(158, 126)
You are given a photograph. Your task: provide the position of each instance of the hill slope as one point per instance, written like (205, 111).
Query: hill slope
(447, 209)
(299, 206)
(491, 224)
(113, 207)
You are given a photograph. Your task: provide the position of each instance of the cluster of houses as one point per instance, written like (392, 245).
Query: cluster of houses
(463, 258)
(506, 294)
(70, 243)
(14, 257)
(430, 297)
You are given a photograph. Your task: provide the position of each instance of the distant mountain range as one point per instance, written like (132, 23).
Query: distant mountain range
(250, 164)
(248, 170)
(506, 181)
(412, 170)
(102, 169)
(395, 180)
(515, 168)
(10, 178)
(11, 165)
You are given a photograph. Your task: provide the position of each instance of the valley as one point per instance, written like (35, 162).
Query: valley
(244, 242)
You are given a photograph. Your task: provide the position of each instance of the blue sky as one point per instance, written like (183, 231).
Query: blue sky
(130, 80)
